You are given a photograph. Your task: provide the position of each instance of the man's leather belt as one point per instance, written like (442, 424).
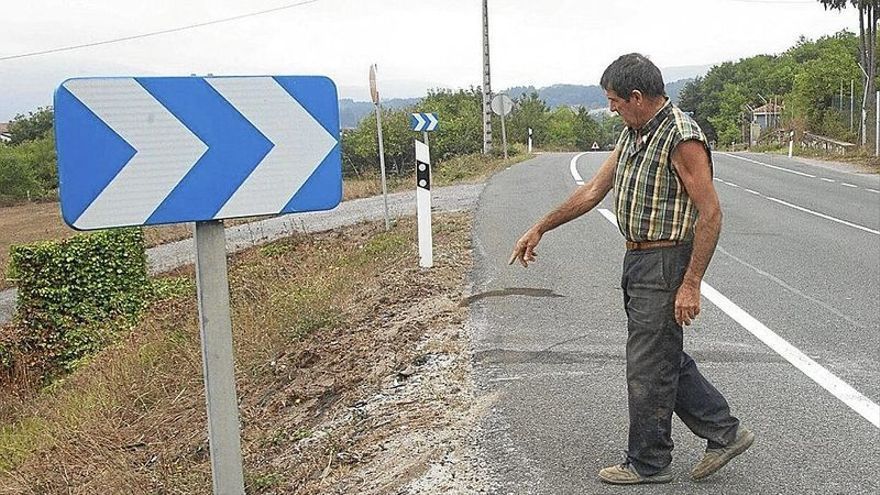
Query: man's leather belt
(639, 246)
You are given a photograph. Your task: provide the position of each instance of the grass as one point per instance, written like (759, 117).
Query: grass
(314, 319)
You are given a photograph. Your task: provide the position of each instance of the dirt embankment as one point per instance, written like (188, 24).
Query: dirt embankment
(353, 374)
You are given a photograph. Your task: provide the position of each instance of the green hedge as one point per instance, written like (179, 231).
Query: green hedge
(73, 297)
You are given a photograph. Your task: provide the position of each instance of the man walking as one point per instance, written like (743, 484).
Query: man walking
(668, 211)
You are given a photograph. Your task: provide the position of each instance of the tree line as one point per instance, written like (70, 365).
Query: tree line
(27, 162)
(810, 80)
(460, 130)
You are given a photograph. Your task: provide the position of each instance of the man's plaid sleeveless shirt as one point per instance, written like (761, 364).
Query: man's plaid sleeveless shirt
(651, 202)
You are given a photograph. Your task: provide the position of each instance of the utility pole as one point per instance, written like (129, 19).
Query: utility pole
(487, 84)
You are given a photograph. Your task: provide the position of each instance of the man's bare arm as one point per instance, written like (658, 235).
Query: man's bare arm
(584, 199)
(691, 162)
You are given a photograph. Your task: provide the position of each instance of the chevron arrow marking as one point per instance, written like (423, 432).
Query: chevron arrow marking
(161, 141)
(432, 121)
(300, 144)
(420, 122)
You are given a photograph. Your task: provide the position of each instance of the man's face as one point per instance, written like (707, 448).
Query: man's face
(626, 109)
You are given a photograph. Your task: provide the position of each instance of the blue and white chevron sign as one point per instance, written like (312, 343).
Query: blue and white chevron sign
(155, 150)
(423, 122)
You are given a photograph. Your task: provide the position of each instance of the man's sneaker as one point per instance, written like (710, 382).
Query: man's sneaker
(715, 459)
(626, 474)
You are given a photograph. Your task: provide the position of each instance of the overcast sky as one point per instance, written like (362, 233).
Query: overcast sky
(418, 44)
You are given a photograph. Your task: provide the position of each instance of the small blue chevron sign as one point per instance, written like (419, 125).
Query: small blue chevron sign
(156, 150)
(423, 122)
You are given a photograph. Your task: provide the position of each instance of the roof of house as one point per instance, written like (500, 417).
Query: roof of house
(769, 108)
(4, 127)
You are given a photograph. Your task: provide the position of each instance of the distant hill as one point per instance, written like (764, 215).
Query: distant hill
(565, 95)
(569, 95)
(352, 112)
(591, 97)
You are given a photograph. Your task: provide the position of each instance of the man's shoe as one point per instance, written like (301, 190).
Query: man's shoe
(715, 459)
(626, 474)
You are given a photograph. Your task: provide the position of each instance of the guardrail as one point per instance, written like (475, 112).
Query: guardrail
(815, 141)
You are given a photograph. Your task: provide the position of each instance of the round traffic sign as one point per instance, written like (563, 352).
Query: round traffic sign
(374, 93)
(502, 104)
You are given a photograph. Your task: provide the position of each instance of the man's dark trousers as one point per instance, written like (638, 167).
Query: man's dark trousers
(661, 378)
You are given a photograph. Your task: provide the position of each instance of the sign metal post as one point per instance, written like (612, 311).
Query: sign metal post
(374, 94)
(502, 105)
(215, 326)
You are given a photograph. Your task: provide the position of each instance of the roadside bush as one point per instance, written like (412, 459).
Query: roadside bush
(74, 296)
(28, 170)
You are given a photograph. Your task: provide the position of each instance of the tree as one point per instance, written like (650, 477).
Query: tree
(32, 126)
(460, 131)
(867, 46)
(571, 129)
(586, 130)
(690, 100)
(28, 170)
(610, 127)
(529, 111)
(815, 86)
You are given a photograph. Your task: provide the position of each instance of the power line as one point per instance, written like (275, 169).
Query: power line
(778, 2)
(157, 33)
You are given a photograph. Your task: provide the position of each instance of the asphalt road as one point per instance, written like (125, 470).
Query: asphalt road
(799, 253)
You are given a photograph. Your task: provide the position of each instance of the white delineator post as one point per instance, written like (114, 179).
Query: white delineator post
(423, 202)
(791, 144)
(530, 139)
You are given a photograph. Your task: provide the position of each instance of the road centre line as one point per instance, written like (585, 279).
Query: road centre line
(574, 171)
(805, 210)
(580, 181)
(873, 191)
(827, 180)
(844, 184)
(822, 215)
(827, 380)
(793, 290)
(768, 165)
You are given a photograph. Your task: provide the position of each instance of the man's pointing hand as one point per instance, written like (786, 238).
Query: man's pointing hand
(524, 250)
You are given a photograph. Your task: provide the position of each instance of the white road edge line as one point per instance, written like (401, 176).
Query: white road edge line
(867, 408)
(574, 170)
(768, 165)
